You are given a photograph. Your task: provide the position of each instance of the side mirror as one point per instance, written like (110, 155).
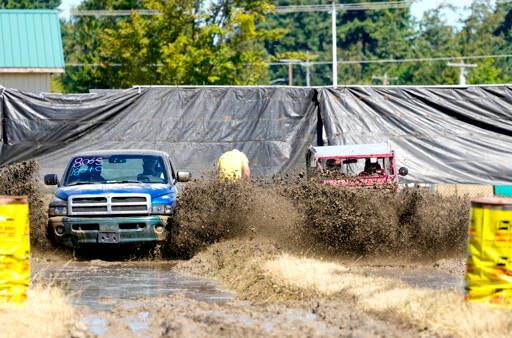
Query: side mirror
(403, 171)
(51, 179)
(183, 176)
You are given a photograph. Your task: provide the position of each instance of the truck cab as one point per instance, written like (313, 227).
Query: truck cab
(355, 165)
(114, 197)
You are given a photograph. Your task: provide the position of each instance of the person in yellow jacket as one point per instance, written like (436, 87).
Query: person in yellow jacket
(234, 165)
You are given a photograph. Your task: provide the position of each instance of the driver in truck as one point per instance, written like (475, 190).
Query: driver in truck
(371, 167)
(150, 170)
(333, 166)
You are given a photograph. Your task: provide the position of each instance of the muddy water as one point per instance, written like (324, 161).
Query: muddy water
(149, 299)
(98, 287)
(101, 285)
(422, 278)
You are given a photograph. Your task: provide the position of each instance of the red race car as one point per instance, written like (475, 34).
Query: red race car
(358, 165)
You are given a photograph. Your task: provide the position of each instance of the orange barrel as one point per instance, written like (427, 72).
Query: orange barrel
(14, 248)
(489, 260)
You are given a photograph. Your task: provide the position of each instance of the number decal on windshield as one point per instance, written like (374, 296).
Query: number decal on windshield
(86, 164)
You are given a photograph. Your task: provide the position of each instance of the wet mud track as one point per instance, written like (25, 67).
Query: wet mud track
(101, 285)
(148, 299)
(419, 278)
(104, 291)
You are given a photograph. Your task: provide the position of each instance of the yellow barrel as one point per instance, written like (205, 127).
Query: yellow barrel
(14, 248)
(489, 261)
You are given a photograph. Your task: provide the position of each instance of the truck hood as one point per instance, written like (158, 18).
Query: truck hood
(154, 190)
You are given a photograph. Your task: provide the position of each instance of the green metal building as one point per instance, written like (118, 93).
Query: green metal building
(30, 49)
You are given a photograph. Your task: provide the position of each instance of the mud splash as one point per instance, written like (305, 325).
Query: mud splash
(409, 224)
(23, 179)
(305, 216)
(300, 214)
(209, 210)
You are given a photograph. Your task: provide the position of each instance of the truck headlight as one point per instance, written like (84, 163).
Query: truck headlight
(58, 207)
(57, 210)
(161, 209)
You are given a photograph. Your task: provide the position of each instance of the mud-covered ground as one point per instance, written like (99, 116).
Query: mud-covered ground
(180, 316)
(296, 259)
(164, 298)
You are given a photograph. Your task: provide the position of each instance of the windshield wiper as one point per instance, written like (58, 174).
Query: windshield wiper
(80, 183)
(123, 181)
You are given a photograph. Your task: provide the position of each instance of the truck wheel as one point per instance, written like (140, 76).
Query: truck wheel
(51, 237)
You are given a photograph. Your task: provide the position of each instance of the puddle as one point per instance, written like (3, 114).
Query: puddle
(101, 287)
(139, 322)
(422, 279)
(97, 326)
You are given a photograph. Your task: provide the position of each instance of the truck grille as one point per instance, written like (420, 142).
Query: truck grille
(109, 204)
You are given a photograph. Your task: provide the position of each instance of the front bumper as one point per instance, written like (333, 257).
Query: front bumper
(79, 231)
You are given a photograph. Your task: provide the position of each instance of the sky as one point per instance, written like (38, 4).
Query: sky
(451, 16)
(417, 9)
(66, 5)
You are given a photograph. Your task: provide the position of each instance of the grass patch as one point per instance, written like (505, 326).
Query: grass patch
(46, 313)
(262, 271)
(445, 312)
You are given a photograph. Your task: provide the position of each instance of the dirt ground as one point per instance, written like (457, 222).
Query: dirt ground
(180, 316)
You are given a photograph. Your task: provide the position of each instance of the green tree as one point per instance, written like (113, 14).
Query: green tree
(231, 41)
(304, 32)
(483, 34)
(29, 4)
(361, 35)
(82, 46)
(434, 38)
(185, 44)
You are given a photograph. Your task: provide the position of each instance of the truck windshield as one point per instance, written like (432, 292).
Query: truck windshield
(116, 169)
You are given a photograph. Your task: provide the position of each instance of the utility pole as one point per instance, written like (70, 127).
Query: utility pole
(303, 63)
(385, 79)
(308, 64)
(308, 75)
(462, 70)
(334, 47)
(290, 74)
(290, 69)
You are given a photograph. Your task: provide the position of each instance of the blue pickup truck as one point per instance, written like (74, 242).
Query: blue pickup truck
(114, 197)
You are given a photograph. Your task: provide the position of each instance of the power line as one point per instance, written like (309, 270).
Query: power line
(113, 12)
(343, 7)
(278, 9)
(409, 60)
(432, 59)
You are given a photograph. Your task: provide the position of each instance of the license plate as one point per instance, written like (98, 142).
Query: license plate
(108, 237)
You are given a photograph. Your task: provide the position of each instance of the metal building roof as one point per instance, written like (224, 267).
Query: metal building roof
(351, 149)
(30, 41)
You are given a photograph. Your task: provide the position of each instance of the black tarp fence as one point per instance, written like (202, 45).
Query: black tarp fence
(273, 126)
(442, 134)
